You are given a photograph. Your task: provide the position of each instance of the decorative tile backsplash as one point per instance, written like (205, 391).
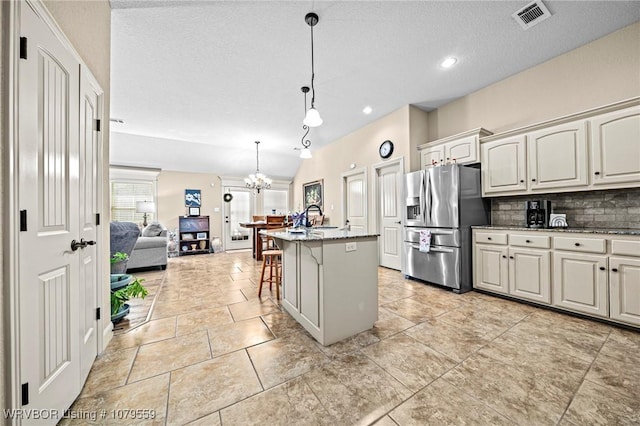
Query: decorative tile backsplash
(619, 208)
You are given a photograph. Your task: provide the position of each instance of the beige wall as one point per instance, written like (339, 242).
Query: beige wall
(87, 24)
(171, 186)
(359, 148)
(599, 73)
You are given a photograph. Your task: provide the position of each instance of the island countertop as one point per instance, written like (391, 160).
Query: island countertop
(317, 234)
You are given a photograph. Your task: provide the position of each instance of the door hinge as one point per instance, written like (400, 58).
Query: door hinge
(23, 220)
(25, 393)
(98, 313)
(97, 218)
(97, 124)
(23, 48)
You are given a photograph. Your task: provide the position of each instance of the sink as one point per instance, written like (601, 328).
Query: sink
(324, 227)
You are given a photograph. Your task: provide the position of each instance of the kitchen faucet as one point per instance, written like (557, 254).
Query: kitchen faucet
(306, 214)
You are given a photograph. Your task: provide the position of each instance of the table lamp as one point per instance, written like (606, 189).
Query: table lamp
(145, 207)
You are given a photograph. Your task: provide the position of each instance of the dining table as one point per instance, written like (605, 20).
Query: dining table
(256, 241)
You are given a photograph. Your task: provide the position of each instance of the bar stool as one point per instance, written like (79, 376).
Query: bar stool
(272, 258)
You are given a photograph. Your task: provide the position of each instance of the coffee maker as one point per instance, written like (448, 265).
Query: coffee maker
(538, 212)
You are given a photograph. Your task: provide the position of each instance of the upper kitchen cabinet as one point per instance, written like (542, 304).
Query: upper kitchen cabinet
(558, 156)
(554, 156)
(463, 148)
(504, 166)
(615, 148)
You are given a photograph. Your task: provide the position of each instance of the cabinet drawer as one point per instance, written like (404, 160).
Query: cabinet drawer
(491, 238)
(625, 247)
(534, 241)
(589, 245)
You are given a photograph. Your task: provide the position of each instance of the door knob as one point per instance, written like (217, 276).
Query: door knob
(87, 243)
(75, 245)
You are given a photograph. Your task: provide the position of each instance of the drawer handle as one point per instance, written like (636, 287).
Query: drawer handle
(614, 269)
(521, 180)
(489, 238)
(504, 257)
(510, 257)
(577, 244)
(533, 180)
(597, 173)
(527, 241)
(602, 268)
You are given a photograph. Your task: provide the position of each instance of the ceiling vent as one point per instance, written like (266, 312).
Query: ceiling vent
(532, 14)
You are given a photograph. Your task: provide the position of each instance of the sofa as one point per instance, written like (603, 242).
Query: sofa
(150, 249)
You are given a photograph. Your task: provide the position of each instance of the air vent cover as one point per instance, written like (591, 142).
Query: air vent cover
(532, 14)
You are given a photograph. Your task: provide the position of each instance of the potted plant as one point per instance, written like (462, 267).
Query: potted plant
(119, 309)
(119, 262)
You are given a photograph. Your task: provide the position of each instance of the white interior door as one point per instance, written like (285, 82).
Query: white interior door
(236, 211)
(355, 199)
(89, 194)
(48, 195)
(389, 184)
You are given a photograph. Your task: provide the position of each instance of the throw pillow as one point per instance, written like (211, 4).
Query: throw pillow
(152, 230)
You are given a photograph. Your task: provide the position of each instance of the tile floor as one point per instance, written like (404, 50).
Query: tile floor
(215, 354)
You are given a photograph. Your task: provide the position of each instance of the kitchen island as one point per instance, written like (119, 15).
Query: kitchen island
(329, 280)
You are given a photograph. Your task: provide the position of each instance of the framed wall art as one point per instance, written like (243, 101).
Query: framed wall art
(194, 211)
(312, 193)
(192, 198)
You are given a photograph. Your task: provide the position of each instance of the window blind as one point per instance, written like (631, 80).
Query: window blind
(124, 196)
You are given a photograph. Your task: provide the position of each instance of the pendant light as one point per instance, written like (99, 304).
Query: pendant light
(306, 143)
(312, 117)
(257, 181)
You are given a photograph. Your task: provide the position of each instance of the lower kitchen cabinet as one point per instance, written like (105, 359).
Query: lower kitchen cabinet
(530, 275)
(491, 268)
(590, 273)
(580, 283)
(624, 283)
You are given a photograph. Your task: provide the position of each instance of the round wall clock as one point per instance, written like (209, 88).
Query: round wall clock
(386, 149)
(227, 197)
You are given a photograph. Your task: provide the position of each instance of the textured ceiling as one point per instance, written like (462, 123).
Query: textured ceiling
(198, 82)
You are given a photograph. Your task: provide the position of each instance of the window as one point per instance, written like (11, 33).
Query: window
(123, 200)
(275, 199)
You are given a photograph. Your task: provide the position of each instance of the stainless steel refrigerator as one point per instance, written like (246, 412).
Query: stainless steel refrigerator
(442, 202)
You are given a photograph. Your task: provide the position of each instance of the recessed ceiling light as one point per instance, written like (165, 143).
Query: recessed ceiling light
(449, 62)
(367, 110)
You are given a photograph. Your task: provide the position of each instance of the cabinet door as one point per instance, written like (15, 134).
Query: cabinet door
(428, 155)
(503, 166)
(464, 151)
(491, 268)
(309, 283)
(580, 283)
(558, 156)
(529, 274)
(624, 282)
(290, 275)
(615, 148)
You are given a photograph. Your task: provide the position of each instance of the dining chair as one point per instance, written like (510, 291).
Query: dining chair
(258, 218)
(273, 222)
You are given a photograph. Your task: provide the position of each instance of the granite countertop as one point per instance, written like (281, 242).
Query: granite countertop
(317, 234)
(612, 231)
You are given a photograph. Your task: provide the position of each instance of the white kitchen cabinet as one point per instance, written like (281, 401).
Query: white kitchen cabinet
(557, 156)
(491, 268)
(504, 166)
(431, 155)
(615, 148)
(624, 283)
(463, 148)
(530, 274)
(592, 273)
(330, 281)
(580, 283)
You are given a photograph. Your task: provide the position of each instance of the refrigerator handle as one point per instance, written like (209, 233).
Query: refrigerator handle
(427, 195)
(423, 203)
(434, 249)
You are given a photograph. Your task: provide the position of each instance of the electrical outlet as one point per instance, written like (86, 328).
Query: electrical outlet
(350, 247)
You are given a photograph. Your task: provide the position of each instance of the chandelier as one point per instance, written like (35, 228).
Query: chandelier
(258, 180)
(306, 143)
(312, 117)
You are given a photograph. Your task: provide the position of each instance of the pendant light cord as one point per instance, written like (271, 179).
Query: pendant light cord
(313, 75)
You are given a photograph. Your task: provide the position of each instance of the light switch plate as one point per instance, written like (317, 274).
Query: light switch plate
(350, 247)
